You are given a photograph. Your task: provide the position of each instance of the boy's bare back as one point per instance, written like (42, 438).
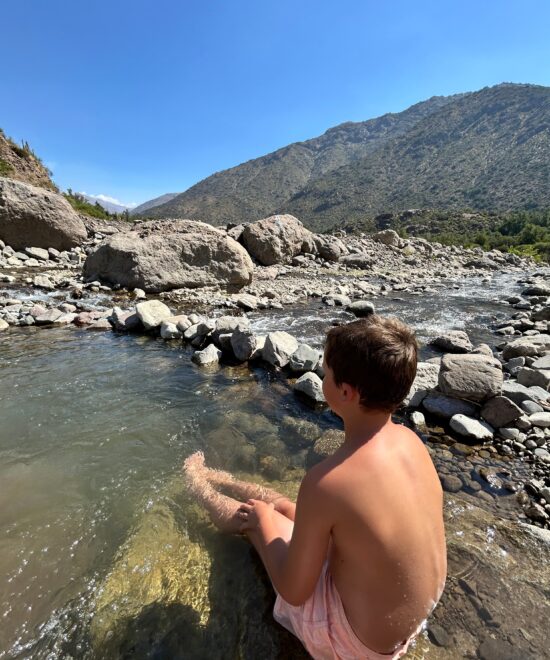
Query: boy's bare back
(387, 556)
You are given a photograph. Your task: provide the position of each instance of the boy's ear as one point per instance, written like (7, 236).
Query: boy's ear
(348, 392)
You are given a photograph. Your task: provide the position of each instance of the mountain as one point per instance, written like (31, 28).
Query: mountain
(260, 186)
(106, 204)
(21, 163)
(153, 202)
(481, 150)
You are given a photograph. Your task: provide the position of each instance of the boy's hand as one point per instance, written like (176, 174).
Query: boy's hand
(253, 512)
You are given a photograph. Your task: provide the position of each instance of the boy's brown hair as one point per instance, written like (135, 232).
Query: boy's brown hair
(375, 355)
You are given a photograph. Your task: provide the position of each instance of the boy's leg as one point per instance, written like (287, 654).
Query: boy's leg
(223, 510)
(245, 490)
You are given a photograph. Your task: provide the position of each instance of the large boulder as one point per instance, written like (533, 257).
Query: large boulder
(31, 216)
(330, 248)
(425, 381)
(388, 237)
(454, 341)
(527, 347)
(472, 377)
(160, 256)
(278, 348)
(277, 239)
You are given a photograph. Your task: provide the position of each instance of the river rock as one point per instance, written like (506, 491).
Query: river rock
(278, 348)
(534, 345)
(243, 343)
(3, 325)
(304, 359)
(169, 330)
(469, 427)
(519, 393)
(329, 442)
(418, 420)
(529, 377)
(165, 255)
(361, 308)
(38, 253)
(38, 217)
(360, 261)
(330, 248)
(125, 321)
(48, 317)
(275, 240)
(542, 362)
(540, 419)
(43, 282)
(388, 237)
(152, 313)
(100, 324)
(454, 341)
(472, 377)
(500, 411)
(444, 406)
(226, 325)
(425, 381)
(311, 385)
(208, 356)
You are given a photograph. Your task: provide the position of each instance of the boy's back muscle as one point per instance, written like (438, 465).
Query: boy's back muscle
(388, 558)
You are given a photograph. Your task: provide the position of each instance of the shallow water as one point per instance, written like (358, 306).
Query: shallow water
(102, 555)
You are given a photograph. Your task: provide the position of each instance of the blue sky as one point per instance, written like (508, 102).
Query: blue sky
(135, 99)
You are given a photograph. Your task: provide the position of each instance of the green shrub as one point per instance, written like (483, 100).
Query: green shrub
(5, 168)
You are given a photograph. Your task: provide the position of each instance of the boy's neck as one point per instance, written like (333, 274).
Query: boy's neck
(361, 426)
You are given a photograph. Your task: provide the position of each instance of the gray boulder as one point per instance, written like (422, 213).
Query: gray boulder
(330, 248)
(160, 256)
(500, 411)
(361, 261)
(540, 419)
(534, 345)
(542, 362)
(152, 313)
(208, 356)
(278, 348)
(425, 381)
(3, 325)
(124, 320)
(38, 253)
(37, 217)
(472, 377)
(277, 239)
(519, 393)
(445, 407)
(169, 330)
(311, 385)
(304, 359)
(472, 428)
(226, 325)
(361, 308)
(541, 314)
(243, 343)
(454, 341)
(388, 237)
(529, 377)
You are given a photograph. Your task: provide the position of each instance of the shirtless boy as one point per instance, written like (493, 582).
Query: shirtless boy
(359, 561)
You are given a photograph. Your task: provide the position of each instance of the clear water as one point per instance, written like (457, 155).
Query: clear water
(102, 555)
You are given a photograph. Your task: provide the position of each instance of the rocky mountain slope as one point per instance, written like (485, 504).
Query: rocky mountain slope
(260, 186)
(163, 199)
(21, 163)
(483, 150)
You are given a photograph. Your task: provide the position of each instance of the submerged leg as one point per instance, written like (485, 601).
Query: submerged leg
(223, 510)
(246, 490)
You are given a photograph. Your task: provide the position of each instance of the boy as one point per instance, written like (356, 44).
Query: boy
(360, 561)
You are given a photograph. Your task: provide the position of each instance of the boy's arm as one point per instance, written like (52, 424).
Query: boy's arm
(295, 568)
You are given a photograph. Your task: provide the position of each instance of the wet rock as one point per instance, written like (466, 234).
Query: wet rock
(361, 308)
(311, 385)
(165, 255)
(226, 325)
(329, 442)
(444, 406)
(3, 325)
(48, 317)
(300, 429)
(208, 356)
(125, 321)
(542, 314)
(100, 324)
(472, 377)
(418, 420)
(472, 428)
(498, 649)
(278, 348)
(152, 313)
(454, 341)
(169, 330)
(243, 343)
(304, 359)
(43, 282)
(500, 411)
(39, 217)
(275, 240)
(451, 483)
